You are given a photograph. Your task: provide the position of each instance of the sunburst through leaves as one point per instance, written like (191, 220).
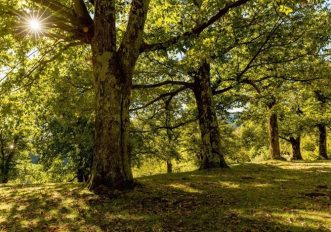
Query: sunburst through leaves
(34, 24)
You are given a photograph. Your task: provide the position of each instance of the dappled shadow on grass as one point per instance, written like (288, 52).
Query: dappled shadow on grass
(270, 196)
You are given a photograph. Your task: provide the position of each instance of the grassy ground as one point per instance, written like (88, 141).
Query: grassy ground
(270, 196)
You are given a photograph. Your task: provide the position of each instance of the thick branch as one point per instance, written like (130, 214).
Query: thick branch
(196, 31)
(82, 12)
(133, 36)
(286, 139)
(177, 125)
(160, 84)
(253, 84)
(220, 91)
(249, 64)
(162, 96)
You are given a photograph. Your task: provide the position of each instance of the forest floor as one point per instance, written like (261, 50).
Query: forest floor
(268, 196)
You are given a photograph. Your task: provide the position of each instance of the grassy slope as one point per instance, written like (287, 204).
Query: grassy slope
(271, 196)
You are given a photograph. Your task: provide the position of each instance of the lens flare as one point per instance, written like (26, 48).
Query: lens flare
(34, 23)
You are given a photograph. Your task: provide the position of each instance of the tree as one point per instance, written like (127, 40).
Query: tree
(213, 48)
(212, 155)
(114, 54)
(322, 100)
(284, 62)
(15, 126)
(113, 71)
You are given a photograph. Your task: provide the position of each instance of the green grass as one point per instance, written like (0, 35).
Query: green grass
(269, 196)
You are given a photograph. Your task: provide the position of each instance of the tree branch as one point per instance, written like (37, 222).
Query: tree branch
(177, 125)
(252, 83)
(249, 65)
(173, 93)
(133, 36)
(160, 84)
(59, 8)
(196, 31)
(82, 13)
(215, 92)
(286, 139)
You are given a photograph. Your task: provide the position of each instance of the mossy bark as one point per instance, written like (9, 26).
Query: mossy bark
(211, 154)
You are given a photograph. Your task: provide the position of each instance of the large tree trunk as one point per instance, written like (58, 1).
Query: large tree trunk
(322, 142)
(296, 147)
(211, 155)
(111, 165)
(113, 71)
(274, 133)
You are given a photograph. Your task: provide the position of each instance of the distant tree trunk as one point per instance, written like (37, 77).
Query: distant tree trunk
(169, 132)
(5, 167)
(6, 159)
(211, 154)
(169, 166)
(113, 72)
(274, 133)
(4, 174)
(322, 142)
(80, 175)
(296, 147)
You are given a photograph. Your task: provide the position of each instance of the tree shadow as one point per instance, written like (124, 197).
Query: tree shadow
(248, 197)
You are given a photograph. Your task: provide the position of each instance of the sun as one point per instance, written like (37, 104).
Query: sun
(35, 25)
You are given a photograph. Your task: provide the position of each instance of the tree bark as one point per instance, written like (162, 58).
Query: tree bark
(113, 71)
(274, 133)
(111, 165)
(211, 154)
(296, 147)
(322, 152)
